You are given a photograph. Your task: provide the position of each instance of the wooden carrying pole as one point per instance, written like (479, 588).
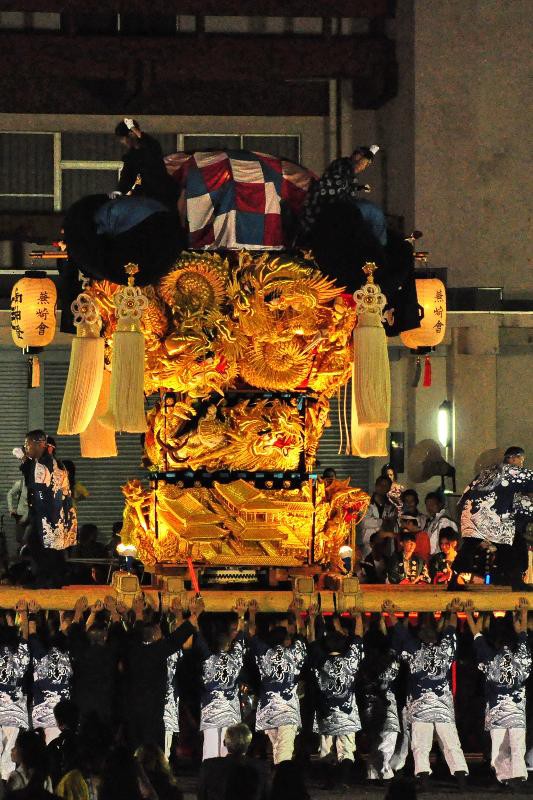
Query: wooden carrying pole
(369, 598)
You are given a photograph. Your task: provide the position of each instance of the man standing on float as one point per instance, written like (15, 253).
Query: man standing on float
(490, 507)
(52, 524)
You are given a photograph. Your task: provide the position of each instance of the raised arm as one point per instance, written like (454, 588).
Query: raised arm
(296, 608)
(240, 610)
(81, 606)
(253, 608)
(520, 616)
(95, 608)
(474, 625)
(452, 609)
(358, 617)
(312, 612)
(110, 605)
(21, 609)
(175, 614)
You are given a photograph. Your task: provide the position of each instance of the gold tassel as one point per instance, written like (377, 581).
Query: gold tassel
(366, 441)
(126, 401)
(97, 441)
(371, 374)
(85, 369)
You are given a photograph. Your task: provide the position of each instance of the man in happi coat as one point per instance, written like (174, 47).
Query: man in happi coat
(52, 524)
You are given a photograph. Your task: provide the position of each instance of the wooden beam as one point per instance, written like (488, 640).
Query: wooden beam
(218, 8)
(216, 57)
(369, 598)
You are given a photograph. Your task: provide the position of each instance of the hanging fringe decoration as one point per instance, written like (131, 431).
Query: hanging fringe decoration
(418, 373)
(126, 400)
(341, 429)
(348, 449)
(366, 441)
(85, 370)
(371, 374)
(98, 441)
(427, 371)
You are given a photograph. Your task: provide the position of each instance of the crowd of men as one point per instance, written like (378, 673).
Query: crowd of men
(133, 679)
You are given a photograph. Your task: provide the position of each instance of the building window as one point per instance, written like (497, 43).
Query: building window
(50, 171)
(27, 172)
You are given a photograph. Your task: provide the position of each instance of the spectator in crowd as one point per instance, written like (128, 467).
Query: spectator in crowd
(123, 778)
(17, 505)
(235, 775)
(441, 563)
(380, 510)
(374, 568)
(396, 489)
(409, 523)
(405, 566)
(410, 501)
(82, 781)
(63, 749)
(280, 661)
(220, 705)
(334, 661)
(438, 519)
(157, 770)
(30, 776)
(505, 660)
(429, 704)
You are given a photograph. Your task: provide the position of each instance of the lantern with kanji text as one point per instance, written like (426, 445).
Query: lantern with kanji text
(431, 295)
(33, 311)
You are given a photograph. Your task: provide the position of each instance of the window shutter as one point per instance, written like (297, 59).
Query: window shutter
(357, 468)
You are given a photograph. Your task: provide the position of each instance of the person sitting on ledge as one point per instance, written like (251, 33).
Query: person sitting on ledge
(406, 566)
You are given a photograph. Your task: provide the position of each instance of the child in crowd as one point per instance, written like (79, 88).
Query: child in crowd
(429, 707)
(441, 563)
(405, 566)
(505, 660)
(280, 660)
(334, 660)
(220, 704)
(408, 522)
(14, 663)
